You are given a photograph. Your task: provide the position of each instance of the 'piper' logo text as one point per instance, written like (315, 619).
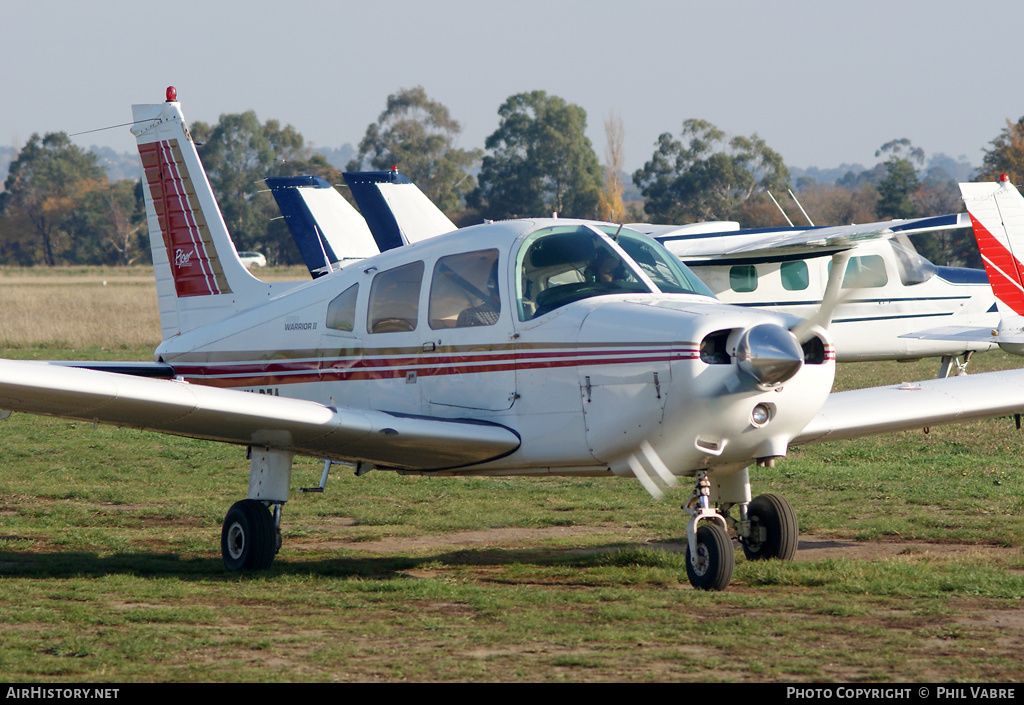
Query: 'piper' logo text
(181, 258)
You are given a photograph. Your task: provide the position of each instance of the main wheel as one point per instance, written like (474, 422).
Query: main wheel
(248, 540)
(715, 560)
(780, 534)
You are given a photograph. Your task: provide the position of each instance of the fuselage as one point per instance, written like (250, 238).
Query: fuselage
(504, 323)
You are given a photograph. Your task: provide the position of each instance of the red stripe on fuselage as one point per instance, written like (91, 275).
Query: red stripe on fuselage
(246, 374)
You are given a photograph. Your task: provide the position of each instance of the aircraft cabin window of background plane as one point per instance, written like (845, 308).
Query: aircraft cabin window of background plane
(568, 263)
(867, 272)
(341, 312)
(464, 291)
(743, 278)
(794, 275)
(394, 299)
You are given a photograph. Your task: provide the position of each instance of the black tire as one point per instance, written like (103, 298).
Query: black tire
(775, 515)
(716, 559)
(248, 540)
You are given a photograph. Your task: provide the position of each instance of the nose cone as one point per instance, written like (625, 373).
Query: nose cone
(769, 353)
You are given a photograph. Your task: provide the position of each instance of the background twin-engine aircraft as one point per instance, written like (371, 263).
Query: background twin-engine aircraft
(524, 347)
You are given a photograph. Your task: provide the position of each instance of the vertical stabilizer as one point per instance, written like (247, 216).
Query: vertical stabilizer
(997, 216)
(327, 230)
(199, 277)
(395, 209)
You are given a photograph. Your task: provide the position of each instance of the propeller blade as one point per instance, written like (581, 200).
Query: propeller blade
(657, 476)
(832, 297)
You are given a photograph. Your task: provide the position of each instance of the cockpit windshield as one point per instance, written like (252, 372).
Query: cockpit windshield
(566, 263)
(669, 274)
(913, 268)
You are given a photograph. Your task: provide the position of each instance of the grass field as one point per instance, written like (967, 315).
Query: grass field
(910, 569)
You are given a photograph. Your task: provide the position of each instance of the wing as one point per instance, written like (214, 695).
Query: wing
(865, 412)
(231, 416)
(689, 245)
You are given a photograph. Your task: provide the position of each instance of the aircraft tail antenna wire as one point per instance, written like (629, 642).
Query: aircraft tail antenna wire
(110, 127)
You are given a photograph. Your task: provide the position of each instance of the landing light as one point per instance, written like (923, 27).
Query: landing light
(761, 415)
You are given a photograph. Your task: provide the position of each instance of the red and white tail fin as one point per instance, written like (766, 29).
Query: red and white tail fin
(199, 277)
(997, 216)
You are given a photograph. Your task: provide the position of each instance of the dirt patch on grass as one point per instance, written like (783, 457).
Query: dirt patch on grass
(811, 548)
(484, 538)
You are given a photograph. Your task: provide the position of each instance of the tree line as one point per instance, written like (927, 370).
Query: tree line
(58, 207)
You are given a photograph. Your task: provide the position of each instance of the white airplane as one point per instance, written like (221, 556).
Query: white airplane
(525, 347)
(890, 290)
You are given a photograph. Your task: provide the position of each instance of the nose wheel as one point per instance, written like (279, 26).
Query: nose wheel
(767, 529)
(710, 565)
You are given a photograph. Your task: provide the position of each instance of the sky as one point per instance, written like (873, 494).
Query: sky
(823, 83)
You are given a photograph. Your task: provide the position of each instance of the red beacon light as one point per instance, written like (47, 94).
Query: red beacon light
(172, 94)
(1003, 178)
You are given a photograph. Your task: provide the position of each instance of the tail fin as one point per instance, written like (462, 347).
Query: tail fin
(198, 274)
(997, 216)
(327, 230)
(395, 209)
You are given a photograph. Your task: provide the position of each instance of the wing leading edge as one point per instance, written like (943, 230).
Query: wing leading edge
(902, 407)
(690, 245)
(232, 416)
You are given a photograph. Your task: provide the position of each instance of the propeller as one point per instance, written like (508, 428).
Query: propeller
(654, 474)
(769, 353)
(832, 297)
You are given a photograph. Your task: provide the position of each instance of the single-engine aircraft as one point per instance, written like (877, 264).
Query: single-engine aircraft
(524, 347)
(889, 290)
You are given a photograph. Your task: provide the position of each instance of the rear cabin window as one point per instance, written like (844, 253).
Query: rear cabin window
(341, 312)
(464, 291)
(743, 278)
(794, 275)
(394, 299)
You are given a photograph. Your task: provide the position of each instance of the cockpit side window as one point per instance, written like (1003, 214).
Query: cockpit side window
(464, 291)
(563, 264)
(394, 299)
